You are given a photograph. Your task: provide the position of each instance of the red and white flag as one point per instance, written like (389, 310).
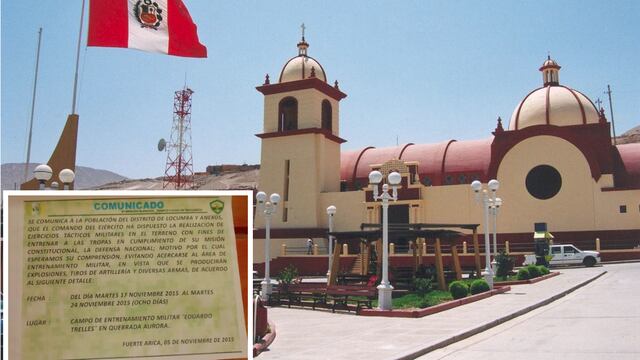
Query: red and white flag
(160, 26)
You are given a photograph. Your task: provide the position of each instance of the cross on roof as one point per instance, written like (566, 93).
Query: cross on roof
(302, 27)
(599, 102)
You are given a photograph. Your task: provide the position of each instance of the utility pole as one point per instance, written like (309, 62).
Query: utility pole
(33, 105)
(613, 124)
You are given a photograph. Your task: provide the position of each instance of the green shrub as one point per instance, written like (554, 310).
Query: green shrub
(534, 271)
(543, 269)
(422, 285)
(288, 274)
(458, 289)
(504, 264)
(523, 274)
(479, 286)
(424, 303)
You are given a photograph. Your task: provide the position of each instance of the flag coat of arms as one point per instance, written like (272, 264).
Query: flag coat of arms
(160, 26)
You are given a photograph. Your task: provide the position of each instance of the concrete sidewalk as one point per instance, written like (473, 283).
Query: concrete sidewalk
(308, 334)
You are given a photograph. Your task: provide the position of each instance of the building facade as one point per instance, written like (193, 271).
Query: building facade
(555, 162)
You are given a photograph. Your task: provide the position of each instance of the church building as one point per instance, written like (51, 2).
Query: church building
(555, 162)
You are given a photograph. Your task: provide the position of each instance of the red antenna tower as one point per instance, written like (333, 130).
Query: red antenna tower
(178, 174)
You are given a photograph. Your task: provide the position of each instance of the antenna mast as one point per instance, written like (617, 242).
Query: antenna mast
(613, 124)
(178, 172)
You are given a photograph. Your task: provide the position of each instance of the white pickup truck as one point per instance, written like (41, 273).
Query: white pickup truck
(567, 255)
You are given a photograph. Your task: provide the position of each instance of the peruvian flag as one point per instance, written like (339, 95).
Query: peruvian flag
(160, 26)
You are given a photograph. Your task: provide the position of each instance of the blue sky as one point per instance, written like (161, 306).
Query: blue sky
(415, 71)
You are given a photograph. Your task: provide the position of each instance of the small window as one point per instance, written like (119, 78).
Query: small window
(288, 114)
(448, 180)
(462, 179)
(555, 250)
(623, 209)
(412, 174)
(426, 181)
(569, 250)
(326, 115)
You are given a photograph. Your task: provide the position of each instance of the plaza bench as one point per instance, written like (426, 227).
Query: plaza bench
(301, 294)
(342, 295)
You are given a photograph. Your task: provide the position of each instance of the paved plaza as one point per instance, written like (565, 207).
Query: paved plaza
(603, 311)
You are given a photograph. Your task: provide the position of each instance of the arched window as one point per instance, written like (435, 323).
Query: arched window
(326, 115)
(288, 114)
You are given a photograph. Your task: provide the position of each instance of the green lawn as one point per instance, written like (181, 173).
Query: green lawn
(506, 278)
(414, 300)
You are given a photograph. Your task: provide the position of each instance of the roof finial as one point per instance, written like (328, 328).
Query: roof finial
(266, 80)
(550, 70)
(302, 45)
(499, 128)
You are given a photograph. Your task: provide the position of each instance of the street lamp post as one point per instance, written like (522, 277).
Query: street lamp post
(486, 197)
(43, 173)
(331, 211)
(66, 176)
(375, 177)
(267, 208)
(495, 209)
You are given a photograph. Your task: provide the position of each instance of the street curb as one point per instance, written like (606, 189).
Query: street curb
(468, 333)
(529, 281)
(620, 261)
(399, 313)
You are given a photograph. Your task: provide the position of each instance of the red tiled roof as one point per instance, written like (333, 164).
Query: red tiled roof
(434, 160)
(630, 155)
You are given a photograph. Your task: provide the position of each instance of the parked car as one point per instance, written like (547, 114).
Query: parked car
(567, 254)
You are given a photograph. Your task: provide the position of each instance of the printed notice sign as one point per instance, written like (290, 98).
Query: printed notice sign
(130, 278)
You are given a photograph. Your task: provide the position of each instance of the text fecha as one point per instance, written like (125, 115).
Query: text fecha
(128, 205)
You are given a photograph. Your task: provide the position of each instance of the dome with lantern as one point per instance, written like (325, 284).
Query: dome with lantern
(302, 66)
(554, 104)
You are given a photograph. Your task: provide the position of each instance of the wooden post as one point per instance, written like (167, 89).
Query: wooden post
(464, 247)
(367, 257)
(506, 247)
(345, 249)
(442, 285)
(379, 258)
(361, 257)
(597, 244)
(476, 252)
(283, 249)
(392, 249)
(335, 266)
(315, 249)
(414, 251)
(456, 262)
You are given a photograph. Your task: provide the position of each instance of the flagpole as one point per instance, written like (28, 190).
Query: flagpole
(33, 105)
(75, 80)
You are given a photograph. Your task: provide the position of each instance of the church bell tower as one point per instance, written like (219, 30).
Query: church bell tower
(300, 152)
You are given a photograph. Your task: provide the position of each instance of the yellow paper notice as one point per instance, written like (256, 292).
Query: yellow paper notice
(130, 278)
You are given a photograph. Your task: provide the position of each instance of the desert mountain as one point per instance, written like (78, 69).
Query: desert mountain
(86, 177)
